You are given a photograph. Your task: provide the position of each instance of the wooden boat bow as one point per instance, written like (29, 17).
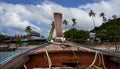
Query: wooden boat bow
(63, 55)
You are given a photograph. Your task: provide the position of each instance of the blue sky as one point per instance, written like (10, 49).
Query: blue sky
(15, 15)
(66, 3)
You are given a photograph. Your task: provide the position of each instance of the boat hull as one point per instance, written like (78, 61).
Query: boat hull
(81, 59)
(60, 56)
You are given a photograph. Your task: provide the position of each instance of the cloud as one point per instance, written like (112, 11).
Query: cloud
(17, 16)
(109, 7)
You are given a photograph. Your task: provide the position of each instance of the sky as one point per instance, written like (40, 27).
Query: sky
(16, 15)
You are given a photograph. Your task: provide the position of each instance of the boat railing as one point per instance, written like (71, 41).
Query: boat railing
(103, 51)
(17, 54)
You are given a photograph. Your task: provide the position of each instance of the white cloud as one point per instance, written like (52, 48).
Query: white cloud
(109, 7)
(15, 17)
(19, 16)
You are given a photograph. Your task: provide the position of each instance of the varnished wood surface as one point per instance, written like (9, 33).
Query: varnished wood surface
(61, 55)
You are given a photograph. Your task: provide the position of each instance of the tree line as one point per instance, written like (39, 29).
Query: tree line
(108, 31)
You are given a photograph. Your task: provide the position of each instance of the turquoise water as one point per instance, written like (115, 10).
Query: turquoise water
(7, 55)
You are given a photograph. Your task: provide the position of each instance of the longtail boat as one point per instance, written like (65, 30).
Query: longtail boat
(4, 47)
(63, 55)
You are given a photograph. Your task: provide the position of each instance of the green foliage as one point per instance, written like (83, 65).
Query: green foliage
(28, 31)
(92, 14)
(74, 22)
(65, 22)
(109, 31)
(104, 19)
(2, 37)
(19, 42)
(76, 35)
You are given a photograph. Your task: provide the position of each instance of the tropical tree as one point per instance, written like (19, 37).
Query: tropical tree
(2, 37)
(102, 14)
(52, 23)
(76, 35)
(19, 42)
(74, 22)
(92, 14)
(103, 17)
(114, 16)
(28, 31)
(109, 31)
(65, 22)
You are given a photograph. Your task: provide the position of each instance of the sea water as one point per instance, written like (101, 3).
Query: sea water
(7, 55)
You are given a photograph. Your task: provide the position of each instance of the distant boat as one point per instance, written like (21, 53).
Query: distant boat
(4, 47)
(10, 47)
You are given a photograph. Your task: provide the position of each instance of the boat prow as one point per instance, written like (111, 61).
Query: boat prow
(63, 55)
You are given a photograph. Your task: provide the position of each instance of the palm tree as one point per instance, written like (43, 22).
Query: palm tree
(74, 22)
(102, 14)
(28, 31)
(103, 17)
(114, 16)
(52, 23)
(65, 22)
(92, 14)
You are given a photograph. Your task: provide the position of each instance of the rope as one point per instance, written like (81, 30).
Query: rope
(49, 60)
(75, 56)
(100, 58)
(98, 55)
(103, 61)
(93, 60)
(25, 66)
